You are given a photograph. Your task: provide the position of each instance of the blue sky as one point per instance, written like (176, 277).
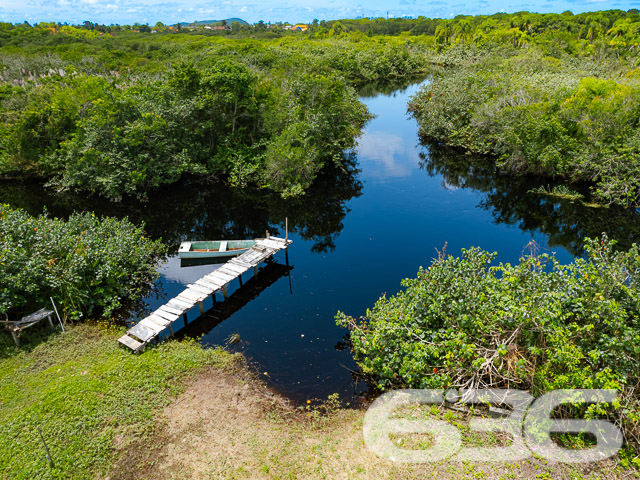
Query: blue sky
(152, 11)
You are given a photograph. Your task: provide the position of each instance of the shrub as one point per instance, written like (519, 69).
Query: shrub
(90, 266)
(536, 326)
(540, 115)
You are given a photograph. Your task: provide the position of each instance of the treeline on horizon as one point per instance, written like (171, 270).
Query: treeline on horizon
(120, 113)
(617, 25)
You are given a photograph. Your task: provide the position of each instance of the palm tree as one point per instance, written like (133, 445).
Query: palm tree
(463, 29)
(443, 33)
(595, 29)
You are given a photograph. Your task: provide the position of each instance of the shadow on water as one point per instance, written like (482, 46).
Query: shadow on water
(250, 290)
(510, 201)
(192, 210)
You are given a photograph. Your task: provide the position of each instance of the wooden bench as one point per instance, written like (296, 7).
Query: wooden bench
(25, 322)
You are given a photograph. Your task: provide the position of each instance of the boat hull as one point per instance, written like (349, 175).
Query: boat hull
(214, 249)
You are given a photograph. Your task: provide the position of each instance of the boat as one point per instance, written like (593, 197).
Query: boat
(214, 248)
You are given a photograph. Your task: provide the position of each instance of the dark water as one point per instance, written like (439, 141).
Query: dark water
(356, 235)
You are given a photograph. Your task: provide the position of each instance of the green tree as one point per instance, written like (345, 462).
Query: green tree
(463, 30)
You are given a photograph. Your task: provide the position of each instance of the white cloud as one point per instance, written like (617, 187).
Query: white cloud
(389, 152)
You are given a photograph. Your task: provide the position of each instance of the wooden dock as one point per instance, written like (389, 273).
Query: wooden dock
(149, 328)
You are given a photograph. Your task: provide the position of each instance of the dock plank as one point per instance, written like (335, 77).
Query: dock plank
(191, 295)
(218, 277)
(181, 304)
(272, 244)
(200, 289)
(204, 283)
(152, 325)
(199, 299)
(132, 343)
(163, 322)
(228, 271)
(222, 270)
(168, 316)
(237, 268)
(170, 309)
(240, 263)
(222, 273)
(217, 281)
(143, 333)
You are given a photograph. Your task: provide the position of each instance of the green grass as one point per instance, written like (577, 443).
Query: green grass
(87, 395)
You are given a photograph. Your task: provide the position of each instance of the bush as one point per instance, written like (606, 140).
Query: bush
(536, 326)
(90, 266)
(117, 123)
(541, 115)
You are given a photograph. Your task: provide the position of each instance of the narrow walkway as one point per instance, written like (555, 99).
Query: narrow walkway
(149, 328)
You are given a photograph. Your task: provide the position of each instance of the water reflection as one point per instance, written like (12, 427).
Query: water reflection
(388, 152)
(195, 210)
(394, 87)
(507, 197)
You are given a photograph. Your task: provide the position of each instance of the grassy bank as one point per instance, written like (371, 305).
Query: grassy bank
(89, 397)
(230, 427)
(178, 411)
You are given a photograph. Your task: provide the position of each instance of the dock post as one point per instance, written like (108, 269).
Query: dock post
(213, 296)
(201, 307)
(255, 270)
(15, 338)
(286, 256)
(286, 239)
(225, 293)
(184, 317)
(171, 331)
(240, 278)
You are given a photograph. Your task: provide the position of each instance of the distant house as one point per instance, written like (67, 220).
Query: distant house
(207, 27)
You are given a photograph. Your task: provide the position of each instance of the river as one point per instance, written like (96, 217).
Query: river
(356, 235)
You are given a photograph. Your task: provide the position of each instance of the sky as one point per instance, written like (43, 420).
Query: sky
(151, 11)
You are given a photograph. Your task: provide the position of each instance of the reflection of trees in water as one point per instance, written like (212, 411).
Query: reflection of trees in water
(389, 87)
(565, 222)
(193, 210)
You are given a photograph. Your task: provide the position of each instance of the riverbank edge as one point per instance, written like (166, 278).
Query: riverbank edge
(209, 416)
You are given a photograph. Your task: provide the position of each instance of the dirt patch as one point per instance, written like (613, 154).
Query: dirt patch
(229, 426)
